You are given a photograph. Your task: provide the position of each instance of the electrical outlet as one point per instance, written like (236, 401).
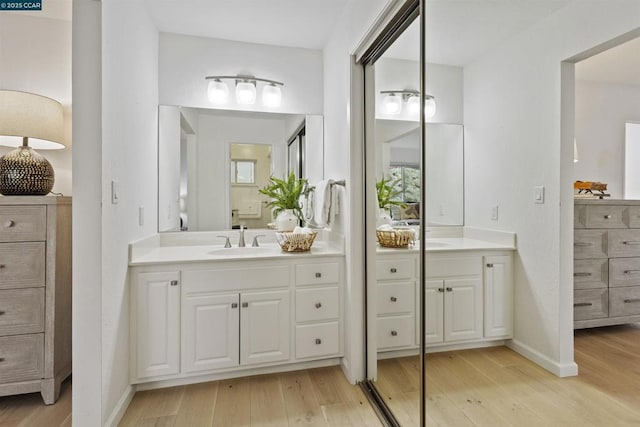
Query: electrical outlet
(494, 213)
(538, 194)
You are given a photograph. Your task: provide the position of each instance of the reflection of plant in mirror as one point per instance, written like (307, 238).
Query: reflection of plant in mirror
(387, 195)
(406, 182)
(285, 193)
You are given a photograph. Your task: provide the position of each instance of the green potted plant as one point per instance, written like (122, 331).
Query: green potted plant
(285, 199)
(387, 197)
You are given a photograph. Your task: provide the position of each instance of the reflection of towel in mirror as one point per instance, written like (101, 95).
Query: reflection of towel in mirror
(323, 209)
(307, 205)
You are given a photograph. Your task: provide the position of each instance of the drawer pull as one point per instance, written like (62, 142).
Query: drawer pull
(607, 217)
(234, 305)
(449, 289)
(1, 359)
(630, 300)
(2, 312)
(631, 242)
(394, 333)
(394, 299)
(318, 341)
(631, 271)
(583, 304)
(245, 304)
(174, 283)
(318, 275)
(394, 270)
(489, 265)
(3, 266)
(318, 305)
(582, 274)
(440, 289)
(9, 224)
(582, 244)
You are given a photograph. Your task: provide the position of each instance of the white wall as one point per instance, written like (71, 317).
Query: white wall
(601, 112)
(512, 99)
(186, 60)
(35, 56)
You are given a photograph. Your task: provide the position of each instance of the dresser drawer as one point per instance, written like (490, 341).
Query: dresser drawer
(22, 223)
(395, 331)
(588, 244)
(623, 243)
(590, 273)
(590, 304)
(395, 269)
(634, 216)
(624, 301)
(21, 357)
(607, 216)
(317, 274)
(321, 339)
(21, 311)
(579, 216)
(624, 272)
(313, 304)
(395, 297)
(22, 265)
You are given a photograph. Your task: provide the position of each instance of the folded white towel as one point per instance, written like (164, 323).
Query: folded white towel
(302, 230)
(323, 199)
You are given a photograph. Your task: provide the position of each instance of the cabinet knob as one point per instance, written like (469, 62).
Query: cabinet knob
(9, 224)
(489, 265)
(318, 305)
(394, 333)
(234, 305)
(440, 289)
(2, 266)
(394, 299)
(2, 312)
(394, 270)
(318, 275)
(607, 217)
(318, 341)
(174, 283)
(449, 289)
(1, 359)
(245, 304)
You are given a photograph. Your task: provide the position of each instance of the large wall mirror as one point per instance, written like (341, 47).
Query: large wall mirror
(213, 162)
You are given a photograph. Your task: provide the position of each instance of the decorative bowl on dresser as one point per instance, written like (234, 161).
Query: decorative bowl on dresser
(35, 294)
(606, 272)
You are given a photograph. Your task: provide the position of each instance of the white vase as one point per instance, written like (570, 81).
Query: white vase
(383, 217)
(286, 220)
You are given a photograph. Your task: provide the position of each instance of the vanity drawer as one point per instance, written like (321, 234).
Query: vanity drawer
(21, 311)
(317, 274)
(314, 304)
(395, 269)
(395, 332)
(607, 216)
(634, 216)
(590, 304)
(624, 301)
(624, 243)
(453, 266)
(588, 244)
(624, 272)
(321, 339)
(395, 298)
(590, 273)
(579, 216)
(22, 265)
(21, 357)
(22, 223)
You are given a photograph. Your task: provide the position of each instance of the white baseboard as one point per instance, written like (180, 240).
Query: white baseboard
(121, 407)
(558, 369)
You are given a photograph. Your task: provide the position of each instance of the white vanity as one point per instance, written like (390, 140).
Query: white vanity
(202, 312)
(469, 294)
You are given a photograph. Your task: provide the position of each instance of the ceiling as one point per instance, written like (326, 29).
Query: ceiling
(618, 65)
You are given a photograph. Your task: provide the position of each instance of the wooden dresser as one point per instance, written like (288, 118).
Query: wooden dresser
(606, 272)
(35, 294)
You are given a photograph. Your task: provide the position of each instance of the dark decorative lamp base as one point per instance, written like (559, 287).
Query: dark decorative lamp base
(25, 172)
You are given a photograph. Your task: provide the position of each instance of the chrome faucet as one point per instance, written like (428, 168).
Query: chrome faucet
(241, 240)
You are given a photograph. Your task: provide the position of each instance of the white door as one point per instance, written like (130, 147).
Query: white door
(498, 296)
(434, 327)
(157, 324)
(462, 309)
(210, 332)
(264, 327)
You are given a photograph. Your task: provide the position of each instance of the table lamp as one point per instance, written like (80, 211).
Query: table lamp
(28, 120)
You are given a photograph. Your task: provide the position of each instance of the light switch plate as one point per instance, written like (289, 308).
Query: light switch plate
(538, 194)
(494, 213)
(114, 192)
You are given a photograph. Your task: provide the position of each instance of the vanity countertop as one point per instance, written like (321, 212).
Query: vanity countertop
(450, 244)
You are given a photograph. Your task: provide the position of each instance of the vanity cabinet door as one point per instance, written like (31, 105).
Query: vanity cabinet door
(264, 327)
(156, 324)
(462, 309)
(498, 296)
(210, 332)
(434, 326)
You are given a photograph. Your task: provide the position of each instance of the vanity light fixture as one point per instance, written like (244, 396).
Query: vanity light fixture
(218, 91)
(393, 100)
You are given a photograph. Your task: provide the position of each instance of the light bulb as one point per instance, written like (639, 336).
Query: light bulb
(429, 106)
(271, 95)
(245, 92)
(392, 103)
(413, 104)
(218, 92)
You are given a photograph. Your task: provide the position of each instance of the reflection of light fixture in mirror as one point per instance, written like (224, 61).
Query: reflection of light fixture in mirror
(429, 106)
(245, 90)
(413, 103)
(28, 118)
(575, 151)
(392, 102)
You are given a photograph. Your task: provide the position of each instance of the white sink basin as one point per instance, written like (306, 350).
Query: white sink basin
(246, 251)
(435, 244)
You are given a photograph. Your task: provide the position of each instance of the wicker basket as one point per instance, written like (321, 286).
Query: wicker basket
(397, 238)
(295, 242)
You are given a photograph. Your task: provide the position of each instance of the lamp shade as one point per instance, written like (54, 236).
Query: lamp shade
(24, 114)
(271, 95)
(392, 103)
(218, 92)
(245, 92)
(429, 106)
(413, 104)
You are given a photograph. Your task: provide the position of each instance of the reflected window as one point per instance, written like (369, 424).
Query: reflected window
(243, 171)
(406, 182)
